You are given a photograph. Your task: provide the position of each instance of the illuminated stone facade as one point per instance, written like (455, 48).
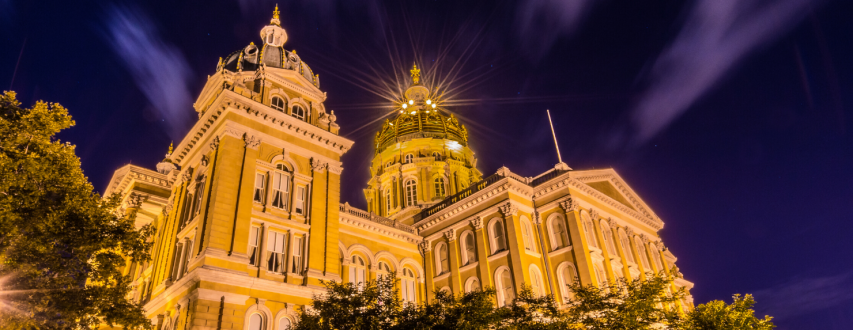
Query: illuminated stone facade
(249, 221)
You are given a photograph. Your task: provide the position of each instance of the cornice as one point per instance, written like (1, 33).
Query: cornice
(126, 175)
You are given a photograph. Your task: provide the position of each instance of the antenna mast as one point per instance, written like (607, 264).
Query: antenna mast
(560, 159)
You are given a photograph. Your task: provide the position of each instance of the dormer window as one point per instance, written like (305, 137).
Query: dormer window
(409, 159)
(277, 103)
(437, 156)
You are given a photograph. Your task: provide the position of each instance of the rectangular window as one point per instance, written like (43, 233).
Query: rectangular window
(299, 204)
(260, 182)
(254, 236)
(176, 262)
(296, 264)
(187, 254)
(275, 247)
(198, 194)
(280, 190)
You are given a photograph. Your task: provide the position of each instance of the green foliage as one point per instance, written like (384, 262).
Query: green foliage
(626, 305)
(647, 304)
(716, 315)
(62, 246)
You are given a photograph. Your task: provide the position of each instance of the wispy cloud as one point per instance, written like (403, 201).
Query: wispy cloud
(716, 35)
(803, 295)
(540, 23)
(158, 68)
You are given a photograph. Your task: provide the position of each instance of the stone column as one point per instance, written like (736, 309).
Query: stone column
(453, 253)
(512, 228)
(608, 268)
(580, 247)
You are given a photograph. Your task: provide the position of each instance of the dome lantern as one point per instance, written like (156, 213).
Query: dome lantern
(273, 34)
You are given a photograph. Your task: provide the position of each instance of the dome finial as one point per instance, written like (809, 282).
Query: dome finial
(275, 20)
(172, 144)
(416, 74)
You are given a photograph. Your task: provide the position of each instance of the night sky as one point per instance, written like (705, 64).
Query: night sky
(731, 118)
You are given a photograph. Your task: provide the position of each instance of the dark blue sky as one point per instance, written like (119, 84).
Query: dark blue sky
(731, 119)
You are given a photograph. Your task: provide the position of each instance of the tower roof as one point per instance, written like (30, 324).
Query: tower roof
(271, 54)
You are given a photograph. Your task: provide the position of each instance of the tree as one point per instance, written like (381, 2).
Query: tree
(62, 246)
(716, 315)
(472, 310)
(530, 312)
(345, 306)
(637, 304)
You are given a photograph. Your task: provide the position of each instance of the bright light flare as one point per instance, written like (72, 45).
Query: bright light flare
(411, 101)
(429, 101)
(405, 106)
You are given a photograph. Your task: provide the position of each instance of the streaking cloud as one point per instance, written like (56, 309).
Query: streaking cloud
(158, 68)
(542, 22)
(715, 37)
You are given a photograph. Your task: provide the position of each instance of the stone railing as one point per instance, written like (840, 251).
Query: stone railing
(362, 214)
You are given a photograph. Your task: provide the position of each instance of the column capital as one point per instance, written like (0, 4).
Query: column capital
(536, 218)
(613, 224)
(569, 205)
(425, 246)
(509, 209)
(251, 142)
(629, 231)
(450, 234)
(215, 143)
(593, 214)
(477, 222)
(317, 165)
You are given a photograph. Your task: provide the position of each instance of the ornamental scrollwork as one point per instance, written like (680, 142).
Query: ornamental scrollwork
(509, 209)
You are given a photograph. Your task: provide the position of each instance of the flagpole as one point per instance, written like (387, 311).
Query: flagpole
(559, 158)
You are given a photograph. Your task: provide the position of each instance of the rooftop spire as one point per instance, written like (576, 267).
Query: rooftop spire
(275, 20)
(416, 74)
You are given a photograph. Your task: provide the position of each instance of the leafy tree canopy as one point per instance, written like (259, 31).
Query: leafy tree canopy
(62, 246)
(638, 304)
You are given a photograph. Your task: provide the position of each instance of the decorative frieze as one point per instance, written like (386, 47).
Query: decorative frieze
(251, 142)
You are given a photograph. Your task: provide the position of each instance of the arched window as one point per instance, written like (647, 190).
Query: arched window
(277, 103)
(506, 293)
(280, 189)
(644, 258)
(600, 276)
(527, 235)
(436, 155)
(411, 192)
(589, 231)
(469, 248)
(626, 247)
(559, 235)
(408, 286)
(256, 322)
(409, 159)
(442, 261)
(607, 236)
(472, 284)
(439, 186)
(298, 112)
(357, 271)
(383, 270)
(536, 282)
(497, 239)
(567, 275)
(284, 323)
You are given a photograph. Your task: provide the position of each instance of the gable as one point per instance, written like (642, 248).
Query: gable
(605, 187)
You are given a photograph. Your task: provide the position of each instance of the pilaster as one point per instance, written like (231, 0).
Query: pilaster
(580, 247)
(510, 213)
(453, 250)
(483, 269)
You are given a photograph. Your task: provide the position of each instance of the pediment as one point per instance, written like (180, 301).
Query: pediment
(611, 185)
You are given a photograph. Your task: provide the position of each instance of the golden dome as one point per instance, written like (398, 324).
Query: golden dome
(420, 117)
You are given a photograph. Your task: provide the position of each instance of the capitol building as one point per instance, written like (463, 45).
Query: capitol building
(249, 220)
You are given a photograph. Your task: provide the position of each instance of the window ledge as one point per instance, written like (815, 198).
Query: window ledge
(468, 266)
(533, 254)
(441, 276)
(561, 250)
(498, 255)
(274, 274)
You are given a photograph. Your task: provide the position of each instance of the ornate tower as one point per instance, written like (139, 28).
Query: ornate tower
(421, 156)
